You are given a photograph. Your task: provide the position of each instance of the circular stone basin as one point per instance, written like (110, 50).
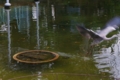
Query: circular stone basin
(35, 56)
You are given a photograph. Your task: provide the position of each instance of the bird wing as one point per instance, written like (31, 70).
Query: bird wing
(83, 31)
(88, 33)
(93, 34)
(115, 22)
(96, 38)
(110, 26)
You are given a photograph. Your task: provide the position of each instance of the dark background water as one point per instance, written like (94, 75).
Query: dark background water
(55, 30)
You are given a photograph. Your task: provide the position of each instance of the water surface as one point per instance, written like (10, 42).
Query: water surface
(50, 25)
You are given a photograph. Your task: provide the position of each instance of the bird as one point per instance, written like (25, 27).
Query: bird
(98, 37)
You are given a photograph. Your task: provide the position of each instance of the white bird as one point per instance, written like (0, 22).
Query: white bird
(97, 38)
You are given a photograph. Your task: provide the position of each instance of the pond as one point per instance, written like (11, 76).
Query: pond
(50, 25)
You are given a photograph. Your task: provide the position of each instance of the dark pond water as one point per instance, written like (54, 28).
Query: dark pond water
(50, 25)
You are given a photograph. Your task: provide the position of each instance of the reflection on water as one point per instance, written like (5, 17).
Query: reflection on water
(9, 35)
(109, 60)
(37, 25)
(53, 11)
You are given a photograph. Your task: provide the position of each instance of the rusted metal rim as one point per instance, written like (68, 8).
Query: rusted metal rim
(56, 56)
